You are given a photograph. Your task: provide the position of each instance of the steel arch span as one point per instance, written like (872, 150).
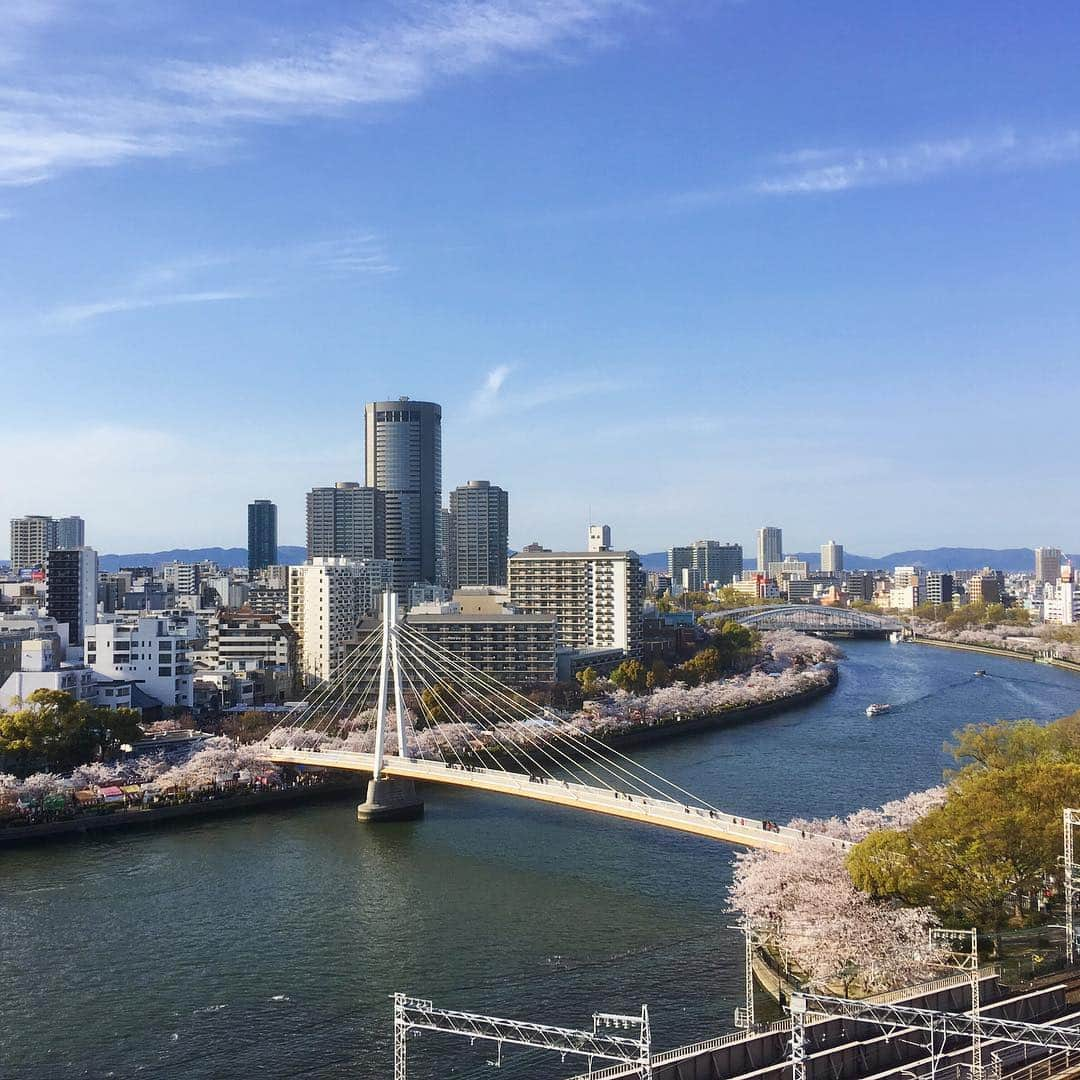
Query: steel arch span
(810, 619)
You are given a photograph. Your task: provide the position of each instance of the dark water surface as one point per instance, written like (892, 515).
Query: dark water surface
(268, 945)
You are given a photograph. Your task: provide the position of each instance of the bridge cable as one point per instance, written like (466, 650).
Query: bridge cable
(529, 710)
(555, 725)
(520, 709)
(471, 683)
(420, 666)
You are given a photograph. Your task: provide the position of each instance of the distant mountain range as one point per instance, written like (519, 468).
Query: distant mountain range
(944, 558)
(224, 557)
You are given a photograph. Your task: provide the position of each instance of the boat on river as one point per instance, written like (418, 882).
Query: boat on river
(877, 708)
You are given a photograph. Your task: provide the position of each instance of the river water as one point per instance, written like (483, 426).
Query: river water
(269, 945)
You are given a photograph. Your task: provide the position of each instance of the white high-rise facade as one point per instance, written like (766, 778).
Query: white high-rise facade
(770, 547)
(595, 595)
(832, 557)
(328, 597)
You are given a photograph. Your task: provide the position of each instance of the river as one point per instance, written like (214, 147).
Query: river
(268, 945)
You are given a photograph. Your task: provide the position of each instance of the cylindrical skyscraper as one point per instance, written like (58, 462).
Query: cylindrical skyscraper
(403, 459)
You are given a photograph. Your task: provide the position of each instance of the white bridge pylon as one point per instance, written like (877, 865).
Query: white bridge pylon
(455, 724)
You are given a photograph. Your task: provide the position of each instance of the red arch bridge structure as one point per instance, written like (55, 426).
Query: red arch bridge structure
(406, 710)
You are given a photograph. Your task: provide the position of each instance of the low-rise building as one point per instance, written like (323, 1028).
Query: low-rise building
(150, 651)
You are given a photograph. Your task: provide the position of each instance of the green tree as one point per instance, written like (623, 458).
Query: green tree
(659, 675)
(51, 730)
(994, 842)
(701, 668)
(589, 679)
(631, 676)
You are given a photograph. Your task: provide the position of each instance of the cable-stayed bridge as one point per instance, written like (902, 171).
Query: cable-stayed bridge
(404, 709)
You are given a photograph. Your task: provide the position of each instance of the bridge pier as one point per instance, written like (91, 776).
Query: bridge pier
(390, 800)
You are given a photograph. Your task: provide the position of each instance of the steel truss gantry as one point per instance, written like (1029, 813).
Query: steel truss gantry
(804, 1005)
(1070, 820)
(634, 1052)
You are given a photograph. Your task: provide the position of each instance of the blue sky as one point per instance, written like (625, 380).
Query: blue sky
(688, 267)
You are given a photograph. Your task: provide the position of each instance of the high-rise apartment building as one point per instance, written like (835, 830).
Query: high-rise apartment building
(678, 560)
(1047, 564)
(328, 598)
(70, 532)
(182, 578)
(479, 514)
(447, 555)
(595, 595)
(716, 562)
(770, 547)
(832, 557)
(984, 587)
(403, 459)
(938, 587)
(903, 575)
(71, 589)
(32, 538)
(347, 520)
(262, 534)
(599, 538)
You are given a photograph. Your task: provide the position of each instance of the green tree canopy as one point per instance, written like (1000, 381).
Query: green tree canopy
(631, 676)
(51, 730)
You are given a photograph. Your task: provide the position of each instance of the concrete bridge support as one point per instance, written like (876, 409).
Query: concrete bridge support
(390, 800)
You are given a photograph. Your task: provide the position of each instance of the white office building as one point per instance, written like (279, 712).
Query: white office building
(328, 598)
(832, 557)
(770, 546)
(151, 651)
(1061, 599)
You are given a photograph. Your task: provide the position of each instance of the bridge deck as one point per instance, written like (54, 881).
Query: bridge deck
(669, 815)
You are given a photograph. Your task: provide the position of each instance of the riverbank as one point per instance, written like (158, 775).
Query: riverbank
(991, 650)
(156, 816)
(646, 734)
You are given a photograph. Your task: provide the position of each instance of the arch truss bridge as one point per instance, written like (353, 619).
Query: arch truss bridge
(812, 619)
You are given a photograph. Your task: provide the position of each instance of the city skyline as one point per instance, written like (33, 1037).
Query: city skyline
(672, 228)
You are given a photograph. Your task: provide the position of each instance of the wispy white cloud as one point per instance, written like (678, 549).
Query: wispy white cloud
(395, 62)
(178, 106)
(79, 313)
(493, 397)
(814, 171)
(216, 277)
(486, 399)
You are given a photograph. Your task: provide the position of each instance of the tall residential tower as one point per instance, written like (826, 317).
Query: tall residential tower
(262, 534)
(479, 517)
(403, 459)
(770, 547)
